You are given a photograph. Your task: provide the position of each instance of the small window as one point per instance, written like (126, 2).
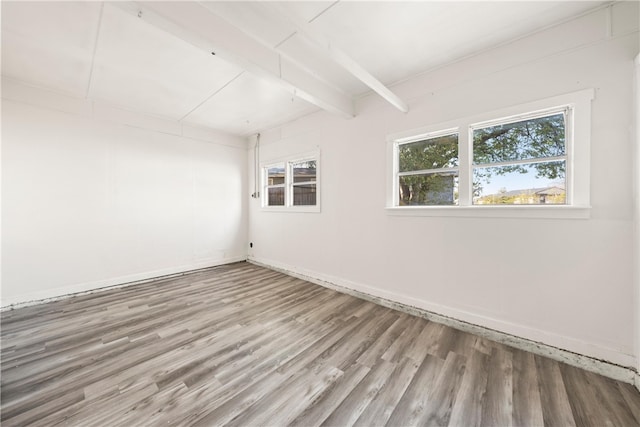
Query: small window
(292, 185)
(522, 162)
(428, 171)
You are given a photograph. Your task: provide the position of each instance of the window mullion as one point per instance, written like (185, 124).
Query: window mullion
(465, 184)
(288, 179)
(427, 171)
(522, 162)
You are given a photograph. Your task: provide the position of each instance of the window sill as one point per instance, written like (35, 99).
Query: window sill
(292, 209)
(552, 212)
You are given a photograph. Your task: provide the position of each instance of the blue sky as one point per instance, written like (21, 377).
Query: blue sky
(516, 181)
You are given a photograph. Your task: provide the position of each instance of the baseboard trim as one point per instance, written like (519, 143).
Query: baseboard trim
(57, 294)
(602, 367)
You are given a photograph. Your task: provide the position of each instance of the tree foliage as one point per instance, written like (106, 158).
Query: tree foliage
(434, 153)
(429, 188)
(525, 140)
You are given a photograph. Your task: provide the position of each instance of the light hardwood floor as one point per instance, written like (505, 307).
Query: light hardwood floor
(242, 345)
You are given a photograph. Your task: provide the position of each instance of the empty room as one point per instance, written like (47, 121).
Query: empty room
(311, 213)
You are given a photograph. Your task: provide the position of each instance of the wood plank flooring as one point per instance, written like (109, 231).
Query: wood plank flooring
(241, 345)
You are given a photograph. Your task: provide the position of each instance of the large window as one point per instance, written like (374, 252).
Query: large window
(531, 159)
(292, 184)
(522, 161)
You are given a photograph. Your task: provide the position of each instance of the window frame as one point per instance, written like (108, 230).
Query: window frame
(418, 138)
(566, 111)
(292, 184)
(289, 183)
(577, 153)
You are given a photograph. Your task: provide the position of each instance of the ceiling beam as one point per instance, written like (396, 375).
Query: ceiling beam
(201, 27)
(349, 64)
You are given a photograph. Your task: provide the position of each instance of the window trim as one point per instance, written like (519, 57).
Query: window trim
(577, 128)
(288, 185)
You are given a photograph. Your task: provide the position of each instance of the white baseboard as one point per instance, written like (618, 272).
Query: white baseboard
(55, 294)
(608, 362)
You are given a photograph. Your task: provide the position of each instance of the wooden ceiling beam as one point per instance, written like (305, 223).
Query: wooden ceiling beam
(341, 58)
(203, 28)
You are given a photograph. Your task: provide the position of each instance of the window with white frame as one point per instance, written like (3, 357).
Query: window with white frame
(303, 182)
(521, 161)
(292, 184)
(533, 155)
(275, 184)
(428, 170)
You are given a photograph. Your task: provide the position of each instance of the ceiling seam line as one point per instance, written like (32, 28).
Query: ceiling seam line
(211, 96)
(323, 11)
(285, 39)
(95, 49)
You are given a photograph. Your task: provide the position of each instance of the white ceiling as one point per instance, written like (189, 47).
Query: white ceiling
(273, 62)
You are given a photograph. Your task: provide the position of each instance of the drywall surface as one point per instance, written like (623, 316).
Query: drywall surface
(93, 196)
(636, 180)
(565, 282)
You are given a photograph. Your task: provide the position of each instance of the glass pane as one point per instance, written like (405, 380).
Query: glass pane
(304, 195)
(429, 189)
(275, 175)
(275, 196)
(527, 184)
(432, 153)
(528, 139)
(304, 171)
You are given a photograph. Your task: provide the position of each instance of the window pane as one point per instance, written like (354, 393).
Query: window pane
(304, 171)
(432, 153)
(304, 195)
(524, 184)
(527, 139)
(429, 189)
(275, 196)
(275, 175)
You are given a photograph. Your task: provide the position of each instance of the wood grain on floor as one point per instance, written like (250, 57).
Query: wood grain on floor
(243, 345)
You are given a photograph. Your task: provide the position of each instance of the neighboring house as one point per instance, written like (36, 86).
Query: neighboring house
(555, 194)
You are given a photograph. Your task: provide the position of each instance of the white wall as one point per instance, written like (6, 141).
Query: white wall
(567, 283)
(94, 196)
(636, 176)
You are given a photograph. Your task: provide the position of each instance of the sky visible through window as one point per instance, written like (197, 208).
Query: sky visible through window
(516, 181)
